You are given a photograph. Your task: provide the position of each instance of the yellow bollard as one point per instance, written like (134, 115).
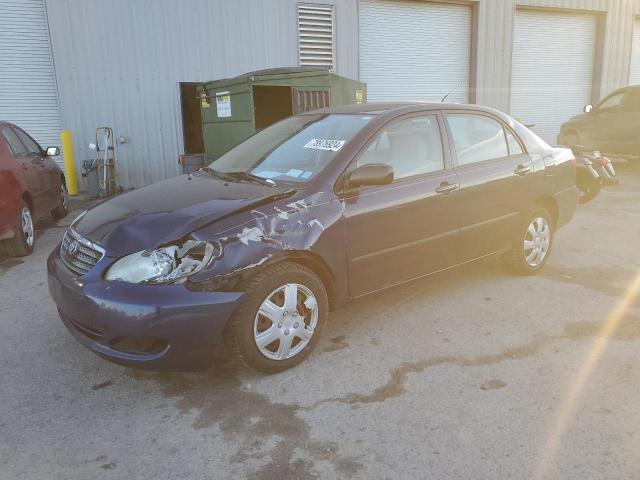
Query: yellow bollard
(69, 164)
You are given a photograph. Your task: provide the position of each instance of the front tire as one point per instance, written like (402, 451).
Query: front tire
(23, 241)
(63, 207)
(532, 245)
(280, 319)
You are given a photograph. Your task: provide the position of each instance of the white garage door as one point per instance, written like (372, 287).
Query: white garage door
(28, 94)
(634, 77)
(414, 50)
(553, 62)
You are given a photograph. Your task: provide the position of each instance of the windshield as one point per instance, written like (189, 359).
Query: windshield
(294, 150)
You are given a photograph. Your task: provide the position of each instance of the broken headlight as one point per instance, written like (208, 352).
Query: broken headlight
(164, 265)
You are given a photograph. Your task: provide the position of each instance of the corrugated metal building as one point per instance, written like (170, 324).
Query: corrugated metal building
(28, 95)
(130, 64)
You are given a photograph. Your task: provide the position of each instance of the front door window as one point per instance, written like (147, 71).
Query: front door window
(411, 146)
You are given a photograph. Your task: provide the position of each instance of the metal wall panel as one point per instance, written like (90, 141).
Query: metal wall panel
(634, 69)
(495, 40)
(551, 84)
(415, 50)
(119, 63)
(28, 95)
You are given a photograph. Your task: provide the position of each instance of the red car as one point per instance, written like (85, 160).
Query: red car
(31, 186)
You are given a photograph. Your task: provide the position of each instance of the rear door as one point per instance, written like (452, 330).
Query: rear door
(404, 230)
(627, 131)
(607, 124)
(496, 182)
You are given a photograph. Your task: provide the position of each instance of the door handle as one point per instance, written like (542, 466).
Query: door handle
(522, 170)
(446, 188)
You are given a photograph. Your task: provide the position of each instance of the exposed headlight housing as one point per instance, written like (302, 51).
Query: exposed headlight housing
(164, 265)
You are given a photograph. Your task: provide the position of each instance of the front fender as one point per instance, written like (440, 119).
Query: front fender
(308, 231)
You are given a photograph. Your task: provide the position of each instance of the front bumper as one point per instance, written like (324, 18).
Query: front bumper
(155, 327)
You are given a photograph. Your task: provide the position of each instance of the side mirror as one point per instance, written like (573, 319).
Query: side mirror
(588, 108)
(371, 174)
(53, 151)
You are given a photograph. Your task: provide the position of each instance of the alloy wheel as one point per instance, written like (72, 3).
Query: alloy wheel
(64, 197)
(285, 321)
(27, 226)
(536, 241)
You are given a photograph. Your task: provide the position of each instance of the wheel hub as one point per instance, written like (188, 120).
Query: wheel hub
(63, 195)
(536, 241)
(285, 321)
(27, 226)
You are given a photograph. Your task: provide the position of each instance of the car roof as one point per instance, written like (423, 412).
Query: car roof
(377, 108)
(620, 90)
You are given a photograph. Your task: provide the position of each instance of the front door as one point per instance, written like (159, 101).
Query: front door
(605, 123)
(404, 230)
(496, 183)
(39, 179)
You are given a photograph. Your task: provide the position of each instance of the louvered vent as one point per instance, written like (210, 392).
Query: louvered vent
(315, 35)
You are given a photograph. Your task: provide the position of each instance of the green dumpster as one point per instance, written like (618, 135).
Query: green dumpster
(233, 109)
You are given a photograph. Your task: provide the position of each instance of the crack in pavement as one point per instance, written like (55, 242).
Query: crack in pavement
(608, 280)
(253, 421)
(629, 330)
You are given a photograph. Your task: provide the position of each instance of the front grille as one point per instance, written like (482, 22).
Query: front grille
(79, 254)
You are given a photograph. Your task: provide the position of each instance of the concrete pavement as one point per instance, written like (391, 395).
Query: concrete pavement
(473, 374)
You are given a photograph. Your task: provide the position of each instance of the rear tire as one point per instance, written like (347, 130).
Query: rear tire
(280, 319)
(532, 245)
(23, 241)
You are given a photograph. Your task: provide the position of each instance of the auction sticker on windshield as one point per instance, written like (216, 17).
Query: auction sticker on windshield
(294, 172)
(324, 144)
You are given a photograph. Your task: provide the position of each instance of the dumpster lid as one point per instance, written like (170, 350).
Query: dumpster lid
(270, 71)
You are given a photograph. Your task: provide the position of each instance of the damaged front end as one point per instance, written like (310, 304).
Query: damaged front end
(266, 235)
(169, 264)
(222, 255)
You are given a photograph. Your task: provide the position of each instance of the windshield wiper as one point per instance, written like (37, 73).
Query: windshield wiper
(251, 177)
(213, 172)
(239, 175)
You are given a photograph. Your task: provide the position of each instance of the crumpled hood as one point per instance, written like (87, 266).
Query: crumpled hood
(168, 210)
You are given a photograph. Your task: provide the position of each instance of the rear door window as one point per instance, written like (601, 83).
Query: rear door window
(477, 138)
(612, 102)
(514, 146)
(412, 146)
(15, 145)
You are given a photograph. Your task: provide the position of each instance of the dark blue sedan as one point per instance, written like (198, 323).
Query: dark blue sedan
(318, 209)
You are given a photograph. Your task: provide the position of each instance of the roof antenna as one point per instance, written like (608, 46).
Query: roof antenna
(450, 92)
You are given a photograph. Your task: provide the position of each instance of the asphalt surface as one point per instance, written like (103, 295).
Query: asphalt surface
(473, 374)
